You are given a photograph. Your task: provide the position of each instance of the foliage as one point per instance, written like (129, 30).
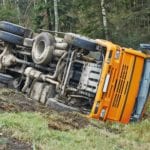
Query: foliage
(128, 20)
(39, 15)
(8, 13)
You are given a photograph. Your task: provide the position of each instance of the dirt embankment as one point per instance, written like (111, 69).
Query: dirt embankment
(13, 101)
(8, 143)
(67, 121)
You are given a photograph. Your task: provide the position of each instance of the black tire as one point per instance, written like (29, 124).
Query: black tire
(80, 41)
(15, 29)
(11, 38)
(43, 47)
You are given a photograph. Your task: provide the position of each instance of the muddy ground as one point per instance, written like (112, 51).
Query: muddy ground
(9, 143)
(14, 101)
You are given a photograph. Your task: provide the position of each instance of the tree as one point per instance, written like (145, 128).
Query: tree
(126, 22)
(18, 10)
(8, 13)
(103, 10)
(56, 16)
(4, 3)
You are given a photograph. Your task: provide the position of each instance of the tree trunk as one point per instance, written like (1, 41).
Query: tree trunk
(104, 19)
(47, 17)
(18, 11)
(4, 3)
(34, 3)
(56, 16)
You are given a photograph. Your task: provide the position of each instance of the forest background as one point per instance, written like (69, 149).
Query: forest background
(125, 22)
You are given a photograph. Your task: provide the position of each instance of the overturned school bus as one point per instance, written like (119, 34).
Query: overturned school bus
(75, 73)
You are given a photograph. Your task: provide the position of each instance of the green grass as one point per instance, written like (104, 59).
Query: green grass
(33, 127)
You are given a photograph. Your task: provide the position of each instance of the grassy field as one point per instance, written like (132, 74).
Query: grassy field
(50, 130)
